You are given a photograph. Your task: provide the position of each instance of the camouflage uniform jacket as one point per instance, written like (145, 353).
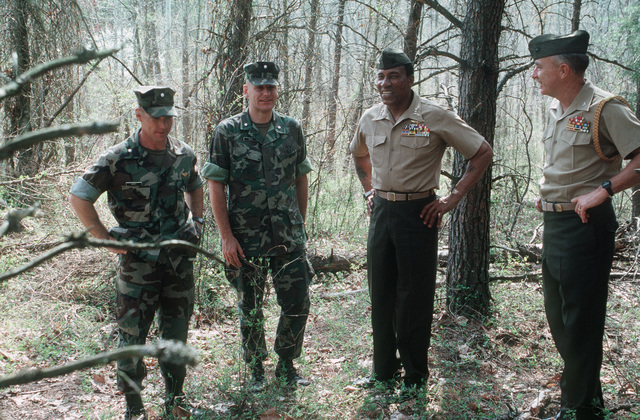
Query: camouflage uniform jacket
(261, 175)
(146, 200)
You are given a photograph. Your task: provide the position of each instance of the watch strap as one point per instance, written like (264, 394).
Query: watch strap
(607, 186)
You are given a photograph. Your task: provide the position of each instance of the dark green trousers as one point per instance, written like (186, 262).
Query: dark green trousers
(576, 262)
(142, 290)
(291, 275)
(401, 263)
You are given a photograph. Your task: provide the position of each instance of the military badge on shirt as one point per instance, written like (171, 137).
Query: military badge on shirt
(415, 128)
(578, 124)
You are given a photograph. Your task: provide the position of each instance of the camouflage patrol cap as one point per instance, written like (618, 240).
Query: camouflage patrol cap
(262, 73)
(392, 57)
(156, 101)
(549, 44)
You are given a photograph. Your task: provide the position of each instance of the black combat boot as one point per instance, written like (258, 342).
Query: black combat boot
(257, 377)
(176, 403)
(285, 371)
(135, 408)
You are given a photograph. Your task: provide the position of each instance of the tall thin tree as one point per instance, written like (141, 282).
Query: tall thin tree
(233, 57)
(309, 55)
(413, 29)
(335, 84)
(18, 108)
(468, 268)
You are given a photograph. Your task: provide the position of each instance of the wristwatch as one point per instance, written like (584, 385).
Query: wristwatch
(368, 194)
(198, 219)
(607, 186)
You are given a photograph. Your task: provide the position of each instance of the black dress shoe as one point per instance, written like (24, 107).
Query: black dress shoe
(369, 382)
(366, 382)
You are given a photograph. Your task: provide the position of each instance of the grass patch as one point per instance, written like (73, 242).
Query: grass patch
(63, 310)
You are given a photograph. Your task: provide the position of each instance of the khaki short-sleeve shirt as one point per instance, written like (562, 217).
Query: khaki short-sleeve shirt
(572, 166)
(406, 155)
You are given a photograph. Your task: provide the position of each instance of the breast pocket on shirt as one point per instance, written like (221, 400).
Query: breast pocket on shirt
(376, 146)
(415, 142)
(580, 150)
(246, 162)
(287, 154)
(137, 203)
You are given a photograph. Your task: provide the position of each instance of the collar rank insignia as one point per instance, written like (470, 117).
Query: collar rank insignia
(415, 128)
(578, 124)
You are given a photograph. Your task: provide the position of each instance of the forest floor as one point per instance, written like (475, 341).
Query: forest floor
(503, 368)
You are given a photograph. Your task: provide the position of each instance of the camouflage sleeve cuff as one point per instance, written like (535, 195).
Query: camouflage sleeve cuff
(215, 173)
(304, 167)
(82, 189)
(198, 182)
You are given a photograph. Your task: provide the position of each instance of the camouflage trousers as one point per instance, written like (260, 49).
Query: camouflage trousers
(291, 275)
(142, 289)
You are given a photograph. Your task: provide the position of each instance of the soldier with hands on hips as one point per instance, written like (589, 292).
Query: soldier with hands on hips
(398, 148)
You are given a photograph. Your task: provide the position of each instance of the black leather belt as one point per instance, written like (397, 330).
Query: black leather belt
(394, 196)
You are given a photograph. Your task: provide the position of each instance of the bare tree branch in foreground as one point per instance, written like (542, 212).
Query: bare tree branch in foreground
(82, 240)
(81, 57)
(12, 222)
(164, 350)
(33, 137)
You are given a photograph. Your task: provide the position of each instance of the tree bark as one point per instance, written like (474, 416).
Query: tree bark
(335, 85)
(413, 30)
(285, 100)
(309, 62)
(18, 108)
(186, 76)
(575, 17)
(468, 291)
(233, 58)
(151, 41)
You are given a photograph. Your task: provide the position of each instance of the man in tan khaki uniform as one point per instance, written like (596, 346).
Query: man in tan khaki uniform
(397, 149)
(579, 220)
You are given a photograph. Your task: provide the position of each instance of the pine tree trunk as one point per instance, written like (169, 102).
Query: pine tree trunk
(468, 291)
(335, 85)
(309, 55)
(233, 58)
(18, 108)
(413, 30)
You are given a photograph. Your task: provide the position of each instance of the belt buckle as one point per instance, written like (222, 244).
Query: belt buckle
(389, 195)
(557, 207)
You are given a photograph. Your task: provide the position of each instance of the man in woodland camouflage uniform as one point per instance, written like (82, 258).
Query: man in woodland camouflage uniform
(260, 155)
(152, 186)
